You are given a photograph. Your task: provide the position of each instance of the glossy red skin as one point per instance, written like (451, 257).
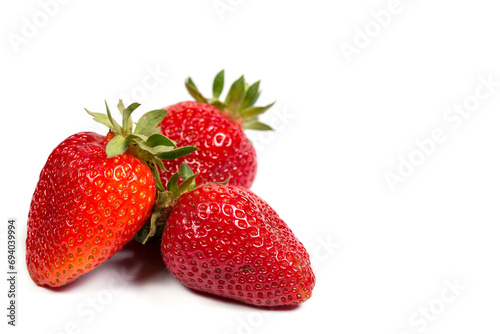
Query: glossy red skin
(223, 148)
(226, 241)
(84, 209)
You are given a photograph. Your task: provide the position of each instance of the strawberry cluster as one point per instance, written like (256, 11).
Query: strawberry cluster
(96, 193)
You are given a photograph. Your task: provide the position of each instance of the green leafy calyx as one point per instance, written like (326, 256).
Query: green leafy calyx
(144, 142)
(239, 103)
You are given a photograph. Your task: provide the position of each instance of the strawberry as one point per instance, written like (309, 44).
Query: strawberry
(94, 193)
(216, 128)
(225, 240)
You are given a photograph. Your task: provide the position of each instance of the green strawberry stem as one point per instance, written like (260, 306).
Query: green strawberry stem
(146, 144)
(154, 230)
(239, 102)
(165, 202)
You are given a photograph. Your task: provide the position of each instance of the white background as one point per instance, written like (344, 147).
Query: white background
(384, 258)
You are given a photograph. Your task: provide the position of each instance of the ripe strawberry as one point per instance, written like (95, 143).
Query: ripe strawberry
(225, 240)
(216, 128)
(93, 195)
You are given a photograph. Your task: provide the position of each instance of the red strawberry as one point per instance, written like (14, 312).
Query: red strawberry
(216, 128)
(225, 240)
(93, 195)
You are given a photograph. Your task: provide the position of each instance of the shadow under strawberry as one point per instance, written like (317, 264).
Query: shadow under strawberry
(137, 264)
(143, 260)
